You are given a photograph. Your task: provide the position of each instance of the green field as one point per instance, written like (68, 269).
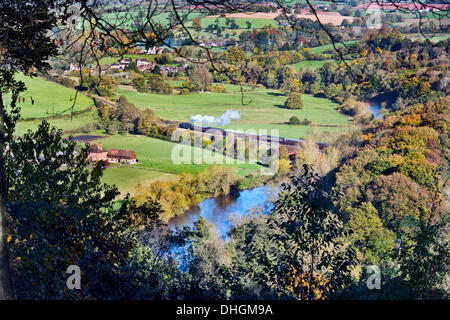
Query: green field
(264, 111)
(432, 37)
(309, 63)
(322, 49)
(134, 57)
(50, 98)
(126, 178)
(65, 124)
(241, 22)
(155, 162)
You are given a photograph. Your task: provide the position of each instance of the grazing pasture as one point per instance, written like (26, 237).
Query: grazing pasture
(256, 23)
(322, 49)
(325, 17)
(310, 63)
(65, 124)
(126, 178)
(49, 98)
(265, 109)
(155, 162)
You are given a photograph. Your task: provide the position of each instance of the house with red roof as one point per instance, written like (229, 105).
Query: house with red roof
(97, 153)
(122, 156)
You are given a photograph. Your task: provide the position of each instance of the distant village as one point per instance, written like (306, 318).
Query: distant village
(142, 64)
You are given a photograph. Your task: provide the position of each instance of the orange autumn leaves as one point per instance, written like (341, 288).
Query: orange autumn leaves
(307, 286)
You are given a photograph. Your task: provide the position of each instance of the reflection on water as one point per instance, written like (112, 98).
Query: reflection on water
(221, 210)
(376, 112)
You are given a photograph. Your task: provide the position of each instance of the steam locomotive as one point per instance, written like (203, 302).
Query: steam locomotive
(281, 140)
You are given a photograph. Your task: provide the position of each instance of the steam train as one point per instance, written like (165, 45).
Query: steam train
(282, 141)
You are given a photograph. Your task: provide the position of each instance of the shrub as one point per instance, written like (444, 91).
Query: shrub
(306, 122)
(284, 166)
(68, 82)
(219, 89)
(184, 91)
(294, 101)
(294, 120)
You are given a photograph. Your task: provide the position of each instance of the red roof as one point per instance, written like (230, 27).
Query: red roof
(121, 154)
(96, 149)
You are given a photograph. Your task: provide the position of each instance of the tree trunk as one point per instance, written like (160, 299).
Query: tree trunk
(6, 291)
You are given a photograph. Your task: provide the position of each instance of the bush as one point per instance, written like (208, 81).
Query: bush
(219, 89)
(139, 84)
(294, 101)
(89, 127)
(294, 120)
(284, 166)
(68, 82)
(184, 91)
(306, 122)
(353, 108)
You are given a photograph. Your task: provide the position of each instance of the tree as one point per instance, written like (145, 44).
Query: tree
(234, 55)
(146, 121)
(332, 90)
(209, 261)
(294, 120)
(127, 114)
(197, 24)
(302, 237)
(157, 84)
(201, 78)
(62, 214)
(27, 45)
(294, 101)
(367, 230)
(290, 85)
(103, 86)
(139, 84)
(346, 10)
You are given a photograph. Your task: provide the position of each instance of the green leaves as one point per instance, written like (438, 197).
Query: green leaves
(302, 233)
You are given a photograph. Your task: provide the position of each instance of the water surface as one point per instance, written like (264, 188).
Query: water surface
(222, 210)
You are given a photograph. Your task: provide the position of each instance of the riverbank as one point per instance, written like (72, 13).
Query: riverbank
(188, 190)
(223, 211)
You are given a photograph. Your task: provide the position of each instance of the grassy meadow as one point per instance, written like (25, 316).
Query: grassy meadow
(134, 57)
(241, 22)
(322, 49)
(50, 98)
(65, 124)
(264, 111)
(127, 178)
(155, 162)
(309, 63)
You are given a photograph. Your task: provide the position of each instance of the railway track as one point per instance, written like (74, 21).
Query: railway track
(289, 144)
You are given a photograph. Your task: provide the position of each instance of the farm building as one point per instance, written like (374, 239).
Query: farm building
(122, 156)
(97, 153)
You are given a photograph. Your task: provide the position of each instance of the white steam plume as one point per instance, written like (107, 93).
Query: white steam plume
(221, 120)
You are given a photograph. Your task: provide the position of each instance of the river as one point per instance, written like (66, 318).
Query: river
(375, 109)
(221, 211)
